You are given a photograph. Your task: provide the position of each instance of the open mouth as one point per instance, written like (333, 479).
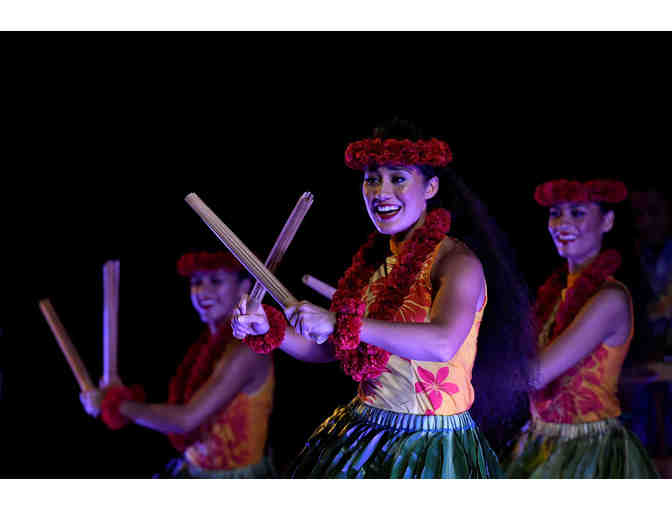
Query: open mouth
(206, 305)
(386, 211)
(564, 237)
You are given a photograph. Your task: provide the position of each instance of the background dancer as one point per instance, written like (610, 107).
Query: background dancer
(585, 324)
(221, 397)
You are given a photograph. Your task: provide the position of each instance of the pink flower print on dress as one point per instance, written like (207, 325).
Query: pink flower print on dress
(588, 401)
(432, 386)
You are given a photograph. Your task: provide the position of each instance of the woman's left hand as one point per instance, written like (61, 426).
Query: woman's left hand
(91, 401)
(310, 321)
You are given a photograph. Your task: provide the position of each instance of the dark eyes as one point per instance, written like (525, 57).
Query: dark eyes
(396, 179)
(214, 280)
(575, 213)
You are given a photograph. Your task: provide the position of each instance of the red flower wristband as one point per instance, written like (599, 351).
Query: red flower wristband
(349, 313)
(263, 344)
(113, 398)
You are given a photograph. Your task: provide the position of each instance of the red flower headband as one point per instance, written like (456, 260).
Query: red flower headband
(189, 263)
(554, 192)
(369, 151)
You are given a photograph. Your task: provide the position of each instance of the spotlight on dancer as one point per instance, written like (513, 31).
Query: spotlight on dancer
(405, 320)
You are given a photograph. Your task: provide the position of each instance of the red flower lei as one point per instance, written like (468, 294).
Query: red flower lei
(363, 153)
(359, 360)
(586, 286)
(562, 190)
(263, 344)
(193, 372)
(112, 399)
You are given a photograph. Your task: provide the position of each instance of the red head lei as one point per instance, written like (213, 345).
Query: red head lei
(375, 151)
(562, 190)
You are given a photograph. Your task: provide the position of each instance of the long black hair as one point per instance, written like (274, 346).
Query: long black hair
(502, 367)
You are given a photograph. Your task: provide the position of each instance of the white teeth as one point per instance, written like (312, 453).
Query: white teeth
(566, 237)
(387, 208)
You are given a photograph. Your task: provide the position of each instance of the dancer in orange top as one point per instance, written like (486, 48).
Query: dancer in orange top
(405, 322)
(221, 397)
(585, 324)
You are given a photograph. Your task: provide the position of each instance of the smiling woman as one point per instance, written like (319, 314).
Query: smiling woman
(405, 322)
(585, 325)
(221, 396)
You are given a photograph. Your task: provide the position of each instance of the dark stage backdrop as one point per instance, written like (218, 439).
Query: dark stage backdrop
(104, 143)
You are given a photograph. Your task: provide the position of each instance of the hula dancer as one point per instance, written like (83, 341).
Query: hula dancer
(221, 397)
(585, 324)
(405, 323)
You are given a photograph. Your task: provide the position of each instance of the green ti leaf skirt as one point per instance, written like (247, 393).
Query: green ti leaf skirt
(601, 449)
(360, 441)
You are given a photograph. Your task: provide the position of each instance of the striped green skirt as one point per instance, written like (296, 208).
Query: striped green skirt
(601, 449)
(360, 441)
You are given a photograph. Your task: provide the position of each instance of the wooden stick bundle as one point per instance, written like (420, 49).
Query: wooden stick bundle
(71, 355)
(110, 321)
(256, 268)
(283, 241)
(319, 286)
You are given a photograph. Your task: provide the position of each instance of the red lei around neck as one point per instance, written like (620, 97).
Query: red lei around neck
(364, 361)
(193, 372)
(588, 283)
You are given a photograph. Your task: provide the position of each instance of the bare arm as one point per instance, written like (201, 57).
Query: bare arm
(452, 315)
(306, 350)
(243, 369)
(250, 319)
(459, 277)
(605, 318)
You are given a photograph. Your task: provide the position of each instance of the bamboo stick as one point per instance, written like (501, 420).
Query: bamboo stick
(277, 291)
(71, 355)
(110, 322)
(319, 286)
(283, 241)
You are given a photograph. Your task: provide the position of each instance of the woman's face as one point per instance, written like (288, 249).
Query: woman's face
(396, 196)
(215, 293)
(577, 229)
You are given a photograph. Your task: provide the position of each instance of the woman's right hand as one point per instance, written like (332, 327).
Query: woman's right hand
(91, 400)
(249, 318)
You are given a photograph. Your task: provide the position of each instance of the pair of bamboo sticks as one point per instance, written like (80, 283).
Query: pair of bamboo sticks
(111, 291)
(110, 332)
(263, 274)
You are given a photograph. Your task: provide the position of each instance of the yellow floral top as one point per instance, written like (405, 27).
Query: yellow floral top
(421, 387)
(235, 436)
(587, 391)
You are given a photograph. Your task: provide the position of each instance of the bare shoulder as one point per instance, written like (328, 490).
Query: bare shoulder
(614, 301)
(455, 257)
(615, 296)
(240, 358)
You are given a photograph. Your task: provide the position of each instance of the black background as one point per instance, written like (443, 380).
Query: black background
(104, 134)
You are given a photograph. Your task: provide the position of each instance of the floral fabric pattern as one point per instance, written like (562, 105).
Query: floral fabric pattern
(587, 391)
(420, 387)
(235, 436)
(435, 384)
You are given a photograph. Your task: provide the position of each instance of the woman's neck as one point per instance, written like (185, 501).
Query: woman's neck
(400, 237)
(217, 324)
(576, 265)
